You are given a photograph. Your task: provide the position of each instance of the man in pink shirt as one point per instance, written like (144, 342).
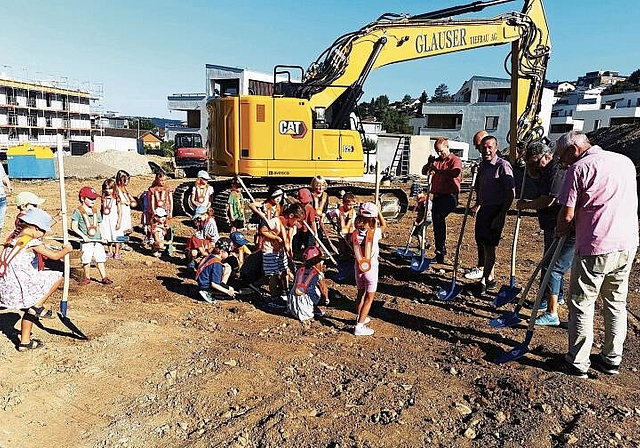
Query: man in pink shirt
(599, 197)
(445, 187)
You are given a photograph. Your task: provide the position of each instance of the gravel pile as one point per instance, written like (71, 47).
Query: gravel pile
(105, 164)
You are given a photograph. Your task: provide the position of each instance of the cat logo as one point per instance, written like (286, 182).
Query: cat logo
(296, 129)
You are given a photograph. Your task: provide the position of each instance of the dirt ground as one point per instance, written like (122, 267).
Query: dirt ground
(161, 368)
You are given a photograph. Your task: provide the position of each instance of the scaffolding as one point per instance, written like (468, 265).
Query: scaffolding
(38, 111)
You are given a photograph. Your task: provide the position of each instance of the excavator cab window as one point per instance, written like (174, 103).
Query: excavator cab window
(284, 83)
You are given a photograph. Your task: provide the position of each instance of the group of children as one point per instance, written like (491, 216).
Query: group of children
(287, 231)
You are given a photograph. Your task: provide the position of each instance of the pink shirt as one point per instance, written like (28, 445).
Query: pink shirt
(601, 187)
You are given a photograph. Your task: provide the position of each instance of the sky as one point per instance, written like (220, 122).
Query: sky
(140, 51)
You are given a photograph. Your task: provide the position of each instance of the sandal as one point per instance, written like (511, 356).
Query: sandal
(107, 281)
(32, 345)
(40, 312)
(85, 281)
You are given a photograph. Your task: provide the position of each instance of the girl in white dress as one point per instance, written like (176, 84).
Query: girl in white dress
(111, 225)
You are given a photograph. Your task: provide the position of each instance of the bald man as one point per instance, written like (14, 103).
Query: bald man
(476, 272)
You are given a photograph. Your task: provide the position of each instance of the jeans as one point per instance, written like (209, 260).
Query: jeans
(441, 207)
(606, 275)
(562, 265)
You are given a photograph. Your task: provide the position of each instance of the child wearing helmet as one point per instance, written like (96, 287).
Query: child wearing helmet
(213, 273)
(85, 222)
(201, 192)
(309, 287)
(370, 226)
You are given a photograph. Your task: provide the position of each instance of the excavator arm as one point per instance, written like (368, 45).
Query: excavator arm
(333, 83)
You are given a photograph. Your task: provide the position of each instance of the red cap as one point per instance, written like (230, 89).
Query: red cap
(304, 196)
(88, 192)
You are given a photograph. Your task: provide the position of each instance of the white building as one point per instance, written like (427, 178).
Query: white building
(590, 110)
(481, 103)
(39, 112)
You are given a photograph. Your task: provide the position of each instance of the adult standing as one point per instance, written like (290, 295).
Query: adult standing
(445, 188)
(598, 195)
(5, 187)
(542, 166)
(495, 190)
(475, 273)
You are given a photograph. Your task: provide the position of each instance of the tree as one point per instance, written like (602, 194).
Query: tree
(441, 94)
(424, 97)
(634, 78)
(407, 98)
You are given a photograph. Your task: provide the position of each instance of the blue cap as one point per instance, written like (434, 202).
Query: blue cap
(238, 239)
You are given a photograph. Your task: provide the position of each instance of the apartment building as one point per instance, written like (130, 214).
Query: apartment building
(37, 112)
(589, 110)
(481, 103)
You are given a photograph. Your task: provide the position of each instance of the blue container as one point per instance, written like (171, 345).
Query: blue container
(31, 162)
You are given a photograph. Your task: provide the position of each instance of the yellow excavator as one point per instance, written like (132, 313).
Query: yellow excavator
(308, 127)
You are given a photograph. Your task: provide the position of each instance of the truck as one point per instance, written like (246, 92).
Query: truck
(306, 127)
(190, 154)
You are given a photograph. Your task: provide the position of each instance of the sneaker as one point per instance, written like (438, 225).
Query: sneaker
(542, 306)
(599, 363)
(491, 284)
(318, 313)
(474, 274)
(439, 258)
(548, 320)
(562, 366)
(109, 254)
(561, 301)
(117, 256)
(126, 247)
(207, 296)
(363, 330)
(366, 320)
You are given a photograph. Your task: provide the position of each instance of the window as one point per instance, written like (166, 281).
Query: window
(444, 121)
(560, 128)
(491, 123)
(596, 124)
(494, 95)
(637, 102)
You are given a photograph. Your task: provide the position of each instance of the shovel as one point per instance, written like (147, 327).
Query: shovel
(511, 319)
(449, 294)
(406, 253)
(522, 349)
(508, 293)
(419, 264)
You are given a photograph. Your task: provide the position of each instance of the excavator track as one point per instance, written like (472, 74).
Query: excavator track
(394, 201)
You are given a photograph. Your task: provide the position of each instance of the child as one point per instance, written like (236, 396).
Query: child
(110, 227)
(239, 250)
(320, 197)
(276, 239)
(201, 243)
(343, 220)
(158, 195)
(309, 287)
(201, 192)
(23, 284)
(423, 216)
(159, 231)
(268, 209)
(365, 239)
(235, 207)
(85, 222)
(25, 200)
(304, 238)
(212, 274)
(127, 201)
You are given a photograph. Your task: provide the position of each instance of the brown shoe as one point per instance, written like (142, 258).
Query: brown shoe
(107, 281)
